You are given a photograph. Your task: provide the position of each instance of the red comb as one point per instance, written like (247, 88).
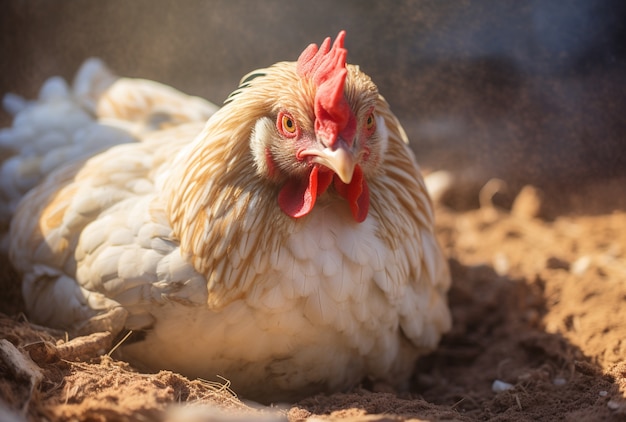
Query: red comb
(327, 68)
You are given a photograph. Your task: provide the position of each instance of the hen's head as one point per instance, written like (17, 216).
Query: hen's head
(319, 131)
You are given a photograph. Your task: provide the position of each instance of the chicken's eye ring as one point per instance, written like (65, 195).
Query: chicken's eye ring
(286, 125)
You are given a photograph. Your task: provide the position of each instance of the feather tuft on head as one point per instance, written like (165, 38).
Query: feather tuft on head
(326, 67)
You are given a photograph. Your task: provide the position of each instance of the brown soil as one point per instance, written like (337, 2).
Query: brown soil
(538, 303)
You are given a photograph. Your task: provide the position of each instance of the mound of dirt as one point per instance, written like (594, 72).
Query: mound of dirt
(539, 334)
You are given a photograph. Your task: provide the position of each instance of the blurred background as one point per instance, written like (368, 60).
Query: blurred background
(529, 91)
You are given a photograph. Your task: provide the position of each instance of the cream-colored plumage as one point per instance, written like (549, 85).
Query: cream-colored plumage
(181, 237)
(99, 111)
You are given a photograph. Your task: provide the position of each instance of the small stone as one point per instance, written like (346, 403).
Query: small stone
(613, 405)
(558, 381)
(603, 393)
(581, 265)
(500, 386)
(528, 204)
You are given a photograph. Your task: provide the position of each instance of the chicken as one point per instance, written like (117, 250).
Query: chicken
(287, 244)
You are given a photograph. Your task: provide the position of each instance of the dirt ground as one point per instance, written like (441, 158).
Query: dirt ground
(539, 334)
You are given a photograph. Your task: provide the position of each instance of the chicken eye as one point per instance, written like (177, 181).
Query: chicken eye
(370, 122)
(286, 125)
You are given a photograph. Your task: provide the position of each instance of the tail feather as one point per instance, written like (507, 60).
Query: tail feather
(40, 128)
(13, 103)
(65, 124)
(92, 80)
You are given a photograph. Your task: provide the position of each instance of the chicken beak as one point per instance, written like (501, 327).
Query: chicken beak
(339, 158)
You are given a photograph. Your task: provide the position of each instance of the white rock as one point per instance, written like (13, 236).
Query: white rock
(581, 265)
(500, 386)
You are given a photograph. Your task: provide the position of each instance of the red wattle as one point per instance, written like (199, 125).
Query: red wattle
(356, 193)
(297, 199)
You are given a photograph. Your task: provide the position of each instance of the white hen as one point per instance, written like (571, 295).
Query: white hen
(287, 245)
